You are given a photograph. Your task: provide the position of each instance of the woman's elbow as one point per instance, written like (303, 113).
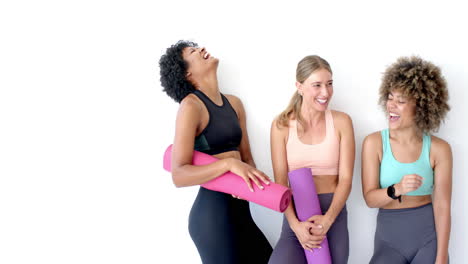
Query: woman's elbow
(442, 205)
(177, 179)
(369, 202)
(346, 184)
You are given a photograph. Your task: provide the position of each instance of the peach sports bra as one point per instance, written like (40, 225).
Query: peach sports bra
(322, 158)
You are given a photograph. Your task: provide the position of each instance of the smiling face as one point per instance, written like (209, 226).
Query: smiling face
(317, 89)
(401, 110)
(199, 62)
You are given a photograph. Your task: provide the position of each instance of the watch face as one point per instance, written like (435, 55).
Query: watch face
(391, 192)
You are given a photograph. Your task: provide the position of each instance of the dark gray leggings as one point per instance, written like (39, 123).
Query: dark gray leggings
(288, 250)
(405, 236)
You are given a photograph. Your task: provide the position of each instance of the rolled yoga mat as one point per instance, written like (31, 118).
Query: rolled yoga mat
(274, 196)
(307, 205)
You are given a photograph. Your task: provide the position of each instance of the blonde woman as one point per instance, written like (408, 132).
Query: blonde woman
(308, 134)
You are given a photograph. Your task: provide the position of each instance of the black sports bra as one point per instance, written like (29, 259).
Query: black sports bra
(223, 132)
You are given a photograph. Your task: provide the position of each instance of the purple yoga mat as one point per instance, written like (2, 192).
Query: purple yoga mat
(307, 205)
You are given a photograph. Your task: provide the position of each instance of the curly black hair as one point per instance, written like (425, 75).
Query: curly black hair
(173, 70)
(422, 82)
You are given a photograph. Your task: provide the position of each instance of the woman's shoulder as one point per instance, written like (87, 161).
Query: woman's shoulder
(374, 139)
(233, 99)
(235, 102)
(341, 120)
(279, 125)
(341, 117)
(191, 103)
(440, 146)
(277, 128)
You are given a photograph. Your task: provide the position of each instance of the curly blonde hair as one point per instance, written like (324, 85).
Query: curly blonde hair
(421, 81)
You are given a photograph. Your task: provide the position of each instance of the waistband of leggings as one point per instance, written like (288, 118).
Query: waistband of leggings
(325, 194)
(381, 210)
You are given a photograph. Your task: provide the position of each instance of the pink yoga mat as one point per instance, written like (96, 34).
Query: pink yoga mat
(273, 196)
(307, 205)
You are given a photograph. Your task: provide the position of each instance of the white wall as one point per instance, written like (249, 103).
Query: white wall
(83, 120)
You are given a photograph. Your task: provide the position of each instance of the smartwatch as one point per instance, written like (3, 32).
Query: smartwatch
(391, 193)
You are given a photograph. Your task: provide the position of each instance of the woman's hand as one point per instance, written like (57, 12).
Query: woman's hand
(408, 183)
(303, 233)
(248, 173)
(321, 220)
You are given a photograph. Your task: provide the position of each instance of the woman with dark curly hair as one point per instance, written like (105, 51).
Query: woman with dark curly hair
(406, 171)
(208, 121)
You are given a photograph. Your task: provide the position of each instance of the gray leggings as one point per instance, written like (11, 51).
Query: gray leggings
(288, 250)
(405, 236)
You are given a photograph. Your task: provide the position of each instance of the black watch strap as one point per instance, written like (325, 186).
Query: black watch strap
(391, 193)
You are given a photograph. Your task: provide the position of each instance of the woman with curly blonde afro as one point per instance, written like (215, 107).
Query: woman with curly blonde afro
(406, 171)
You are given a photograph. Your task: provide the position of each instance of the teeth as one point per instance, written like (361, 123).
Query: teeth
(394, 115)
(205, 56)
(322, 101)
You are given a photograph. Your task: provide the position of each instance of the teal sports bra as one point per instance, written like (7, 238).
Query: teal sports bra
(392, 171)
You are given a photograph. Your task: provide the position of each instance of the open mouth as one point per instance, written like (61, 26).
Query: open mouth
(394, 117)
(321, 101)
(206, 56)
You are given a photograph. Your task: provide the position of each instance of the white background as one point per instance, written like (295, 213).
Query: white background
(84, 121)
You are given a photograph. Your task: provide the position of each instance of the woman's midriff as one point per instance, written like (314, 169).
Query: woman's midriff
(230, 154)
(409, 202)
(325, 183)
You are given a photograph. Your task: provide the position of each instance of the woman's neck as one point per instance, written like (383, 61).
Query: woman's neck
(406, 135)
(311, 116)
(209, 86)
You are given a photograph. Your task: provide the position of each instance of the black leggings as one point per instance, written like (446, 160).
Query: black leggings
(224, 232)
